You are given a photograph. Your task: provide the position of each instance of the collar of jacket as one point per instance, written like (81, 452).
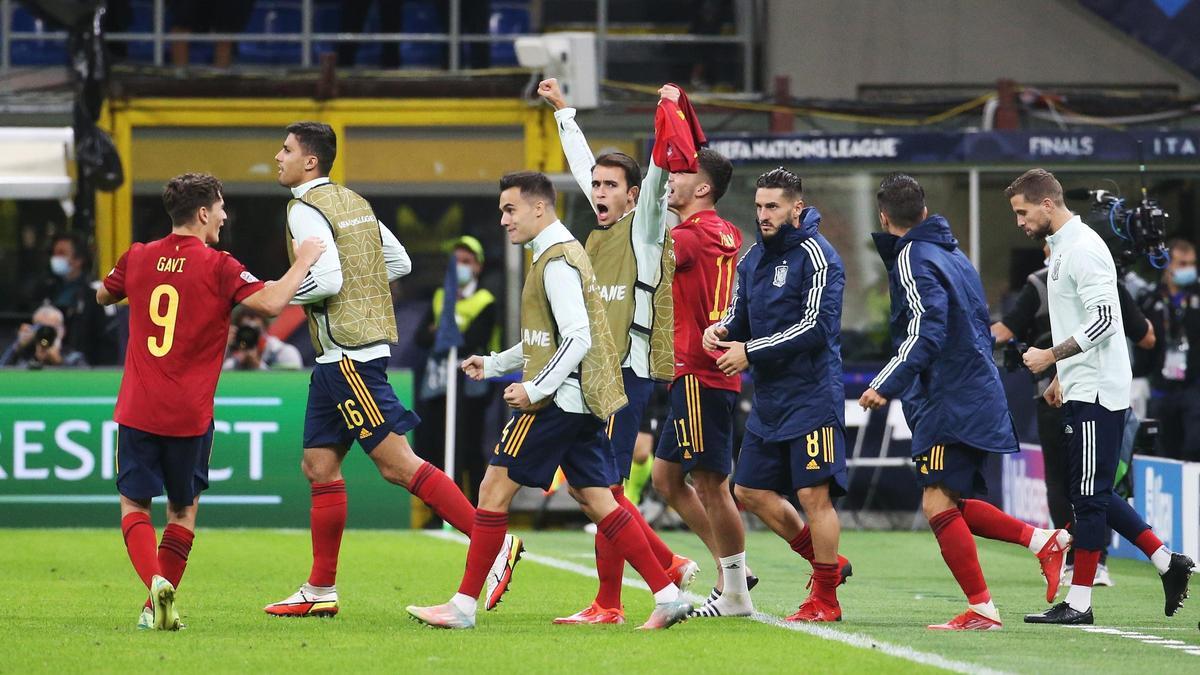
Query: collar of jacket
(790, 236)
(934, 229)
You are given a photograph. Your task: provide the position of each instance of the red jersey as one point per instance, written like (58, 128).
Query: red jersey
(706, 250)
(181, 293)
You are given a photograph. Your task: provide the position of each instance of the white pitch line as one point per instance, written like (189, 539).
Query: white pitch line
(1144, 638)
(852, 639)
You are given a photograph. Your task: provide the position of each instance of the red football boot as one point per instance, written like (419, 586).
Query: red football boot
(813, 609)
(592, 615)
(682, 572)
(1051, 558)
(969, 620)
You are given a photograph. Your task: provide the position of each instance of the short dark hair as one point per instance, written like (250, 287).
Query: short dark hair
(783, 179)
(78, 247)
(533, 184)
(718, 169)
(241, 312)
(318, 140)
(620, 160)
(184, 195)
(902, 199)
(1180, 244)
(1035, 185)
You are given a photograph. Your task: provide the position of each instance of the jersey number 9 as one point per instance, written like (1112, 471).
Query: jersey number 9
(165, 319)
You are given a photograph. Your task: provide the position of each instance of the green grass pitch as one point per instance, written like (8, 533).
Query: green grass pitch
(72, 603)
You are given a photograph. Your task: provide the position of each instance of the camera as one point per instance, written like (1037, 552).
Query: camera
(1013, 353)
(1131, 230)
(246, 338)
(45, 336)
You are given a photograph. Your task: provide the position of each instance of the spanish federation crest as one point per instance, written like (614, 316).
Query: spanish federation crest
(780, 276)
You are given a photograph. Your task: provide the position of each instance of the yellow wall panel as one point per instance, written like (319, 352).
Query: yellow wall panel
(442, 160)
(368, 160)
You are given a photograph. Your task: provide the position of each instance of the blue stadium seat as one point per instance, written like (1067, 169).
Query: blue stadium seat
(422, 16)
(39, 52)
(327, 18)
(272, 17)
(370, 53)
(141, 21)
(509, 17)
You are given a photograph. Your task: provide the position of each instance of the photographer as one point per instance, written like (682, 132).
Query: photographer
(67, 284)
(40, 343)
(1028, 323)
(1174, 366)
(252, 348)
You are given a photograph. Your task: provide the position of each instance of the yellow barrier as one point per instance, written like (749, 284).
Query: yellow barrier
(122, 118)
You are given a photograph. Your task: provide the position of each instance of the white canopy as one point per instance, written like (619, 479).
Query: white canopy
(36, 162)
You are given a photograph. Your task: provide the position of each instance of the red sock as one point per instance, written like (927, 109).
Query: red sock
(989, 522)
(327, 520)
(802, 544)
(658, 547)
(1085, 567)
(958, 550)
(1148, 542)
(173, 553)
(825, 582)
(139, 536)
(627, 538)
(610, 566)
(436, 489)
(487, 536)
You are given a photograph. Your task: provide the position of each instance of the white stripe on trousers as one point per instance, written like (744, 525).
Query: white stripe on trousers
(1087, 481)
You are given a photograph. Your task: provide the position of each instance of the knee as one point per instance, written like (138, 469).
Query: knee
(577, 494)
(814, 500)
(666, 482)
(396, 474)
(750, 498)
(492, 494)
(1090, 506)
(935, 500)
(596, 503)
(312, 470)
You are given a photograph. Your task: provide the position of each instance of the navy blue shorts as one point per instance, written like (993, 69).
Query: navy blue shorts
(146, 463)
(1094, 436)
(534, 445)
(787, 466)
(956, 467)
(626, 423)
(350, 401)
(699, 428)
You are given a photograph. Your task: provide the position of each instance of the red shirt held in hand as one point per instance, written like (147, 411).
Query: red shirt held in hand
(677, 135)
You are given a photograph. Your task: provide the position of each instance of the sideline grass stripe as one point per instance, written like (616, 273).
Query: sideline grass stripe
(852, 639)
(116, 499)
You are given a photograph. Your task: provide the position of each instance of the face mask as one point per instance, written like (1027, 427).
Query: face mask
(60, 265)
(1184, 276)
(465, 274)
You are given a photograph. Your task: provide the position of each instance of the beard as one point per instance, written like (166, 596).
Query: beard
(768, 234)
(1038, 231)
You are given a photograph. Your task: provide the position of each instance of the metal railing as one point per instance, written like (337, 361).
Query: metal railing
(747, 15)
